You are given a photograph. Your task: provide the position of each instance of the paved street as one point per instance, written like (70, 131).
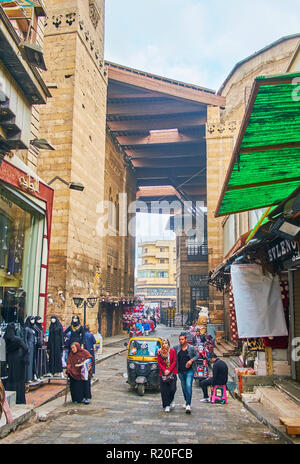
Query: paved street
(118, 415)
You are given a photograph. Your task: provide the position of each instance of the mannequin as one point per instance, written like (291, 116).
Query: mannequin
(77, 332)
(55, 346)
(17, 360)
(41, 356)
(31, 342)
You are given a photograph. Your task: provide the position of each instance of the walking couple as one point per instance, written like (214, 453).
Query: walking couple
(172, 361)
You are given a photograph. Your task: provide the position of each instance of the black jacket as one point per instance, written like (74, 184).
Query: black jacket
(192, 352)
(220, 372)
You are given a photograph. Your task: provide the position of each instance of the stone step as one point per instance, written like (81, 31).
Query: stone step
(21, 413)
(290, 388)
(11, 398)
(277, 401)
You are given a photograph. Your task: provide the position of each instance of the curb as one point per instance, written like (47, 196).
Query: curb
(269, 424)
(8, 428)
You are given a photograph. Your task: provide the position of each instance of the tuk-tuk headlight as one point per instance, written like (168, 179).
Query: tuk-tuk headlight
(153, 367)
(132, 366)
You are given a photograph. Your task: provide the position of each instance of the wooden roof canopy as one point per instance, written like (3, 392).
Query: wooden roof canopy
(160, 125)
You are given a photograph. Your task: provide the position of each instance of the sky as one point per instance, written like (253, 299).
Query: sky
(194, 41)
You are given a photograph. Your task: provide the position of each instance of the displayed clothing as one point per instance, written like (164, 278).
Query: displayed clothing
(17, 359)
(31, 342)
(55, 346)
(255, 344)
(76, 332)
(42, 366)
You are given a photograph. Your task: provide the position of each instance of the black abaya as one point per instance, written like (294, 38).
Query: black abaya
(80, 390)
(16, 358)
(55, 347)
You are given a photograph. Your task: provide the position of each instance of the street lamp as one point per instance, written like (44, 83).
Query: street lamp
(89, 302)
(72, 185)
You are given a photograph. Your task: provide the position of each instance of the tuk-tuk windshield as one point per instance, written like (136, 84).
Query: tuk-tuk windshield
(144, 347)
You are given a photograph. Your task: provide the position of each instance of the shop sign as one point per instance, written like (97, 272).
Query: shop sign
(283, 250)
(29, 183)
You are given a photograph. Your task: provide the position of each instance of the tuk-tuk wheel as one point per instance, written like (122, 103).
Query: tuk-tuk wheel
(141, 389)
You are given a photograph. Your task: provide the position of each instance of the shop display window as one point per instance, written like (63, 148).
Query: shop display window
(19, 248)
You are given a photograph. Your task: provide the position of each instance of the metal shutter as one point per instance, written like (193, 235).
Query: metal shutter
(297, 314)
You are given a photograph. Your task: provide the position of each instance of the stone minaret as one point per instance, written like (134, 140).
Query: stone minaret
(73, 121)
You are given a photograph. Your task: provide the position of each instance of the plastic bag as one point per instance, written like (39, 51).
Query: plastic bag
(64, 358)
(86, 369)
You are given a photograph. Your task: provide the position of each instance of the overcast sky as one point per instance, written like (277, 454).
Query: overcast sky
(195, 41)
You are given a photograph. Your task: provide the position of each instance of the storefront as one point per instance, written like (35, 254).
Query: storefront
(25, 224)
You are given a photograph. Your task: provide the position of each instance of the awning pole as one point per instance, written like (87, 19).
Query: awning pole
(253, 232)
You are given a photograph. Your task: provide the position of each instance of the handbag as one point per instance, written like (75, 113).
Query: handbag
(168, 378)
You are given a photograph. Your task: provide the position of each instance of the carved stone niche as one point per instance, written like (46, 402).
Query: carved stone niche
(94, 13)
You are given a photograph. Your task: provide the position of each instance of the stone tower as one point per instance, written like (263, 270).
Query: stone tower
(73, 121)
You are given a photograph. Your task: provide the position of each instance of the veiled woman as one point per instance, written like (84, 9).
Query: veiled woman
(76, 331)
(17, 359)
(80, 389)
(167, 362)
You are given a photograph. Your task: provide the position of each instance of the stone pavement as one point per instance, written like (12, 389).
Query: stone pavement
(117, 415)
(49, 391)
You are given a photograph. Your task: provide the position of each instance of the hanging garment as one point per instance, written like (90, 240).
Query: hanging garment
(17, 359)
(255, 344)
(30, 340)
(258, 303)
(55, 346)
(42, 366)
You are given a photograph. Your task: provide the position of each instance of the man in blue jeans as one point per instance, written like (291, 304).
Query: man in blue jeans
(186, 356)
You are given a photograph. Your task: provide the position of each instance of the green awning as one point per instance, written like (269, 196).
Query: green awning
(265, 165)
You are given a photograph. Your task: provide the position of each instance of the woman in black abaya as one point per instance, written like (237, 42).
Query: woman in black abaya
(76, 332)
(17, 358)
(55, 346)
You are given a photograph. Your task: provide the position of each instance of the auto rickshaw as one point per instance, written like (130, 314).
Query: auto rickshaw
(142, 367)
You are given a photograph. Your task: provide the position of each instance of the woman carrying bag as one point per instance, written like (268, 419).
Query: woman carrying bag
(80, 385)
(167, 360)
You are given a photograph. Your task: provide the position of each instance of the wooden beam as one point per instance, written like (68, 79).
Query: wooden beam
(168, 162)
(194, 190)
(159, 138)
(166, 181)
(161, 107)
(168, 122)
(158, 173)
(165, 86)
(192, 149)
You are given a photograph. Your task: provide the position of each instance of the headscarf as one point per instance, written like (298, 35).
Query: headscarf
(54, 325)
(28, 322)
(76, 358)
(75, 325)
(165, 352)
